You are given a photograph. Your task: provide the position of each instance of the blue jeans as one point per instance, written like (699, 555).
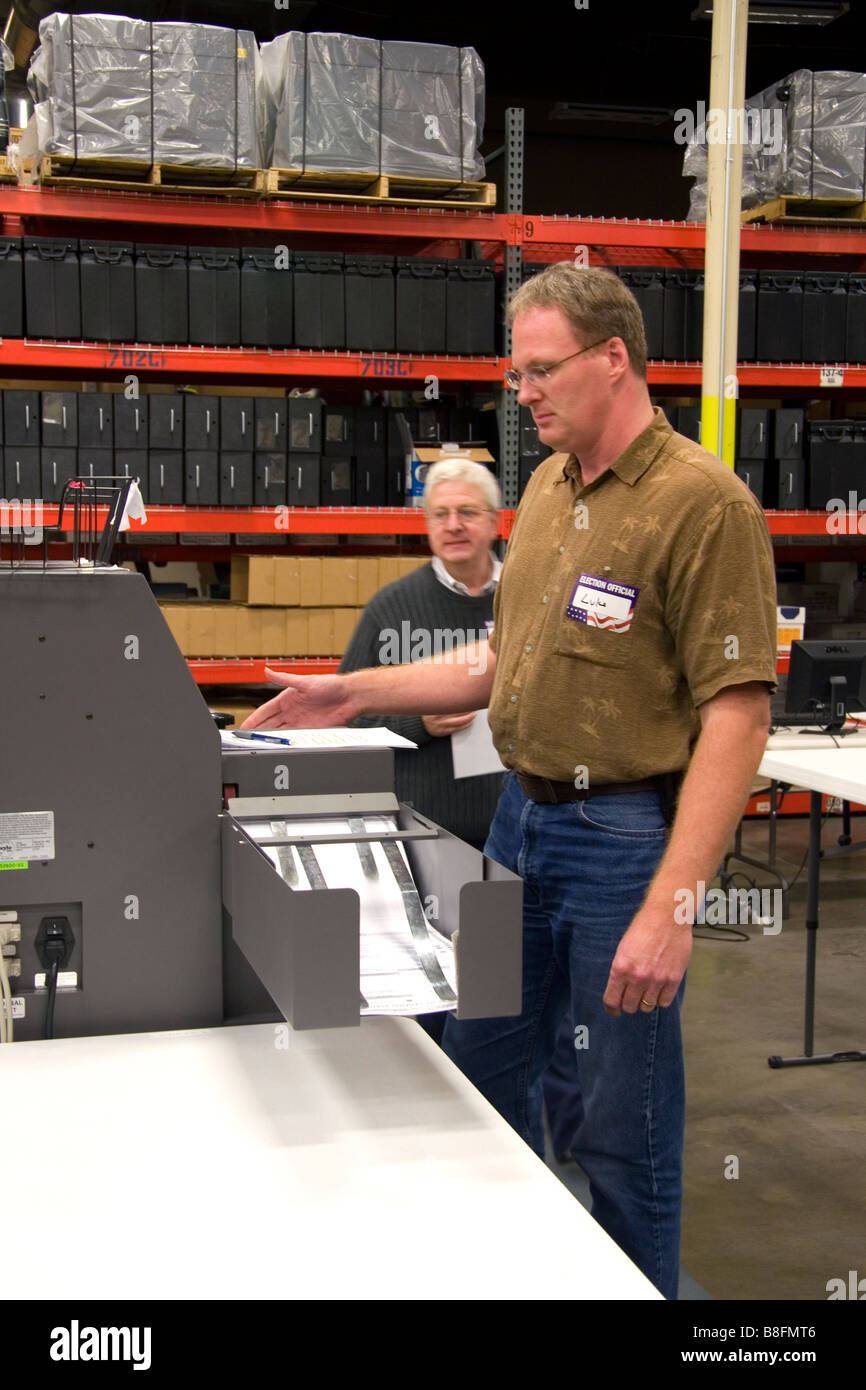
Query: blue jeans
(586, 867)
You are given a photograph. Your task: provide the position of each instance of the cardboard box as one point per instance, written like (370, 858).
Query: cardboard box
(287, 581)
(177, 617)
(345, 622)
(297, 632)
(389, 569)
(321, 629)
(339, 581)
(425, 456)
(310, 569)
(368, 577)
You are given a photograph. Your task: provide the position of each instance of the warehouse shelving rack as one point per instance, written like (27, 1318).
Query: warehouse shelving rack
(506, 238)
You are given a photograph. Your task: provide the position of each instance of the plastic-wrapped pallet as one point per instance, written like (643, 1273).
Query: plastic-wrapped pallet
(432, 110)
(324, 102)
(107, 87)
(808, 140)
(338, 102)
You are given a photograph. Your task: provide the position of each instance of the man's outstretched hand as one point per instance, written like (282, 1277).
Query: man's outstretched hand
(305, 702)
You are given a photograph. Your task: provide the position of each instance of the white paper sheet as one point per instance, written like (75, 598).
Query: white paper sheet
(472, 750)
(321, 738)
(392, 978)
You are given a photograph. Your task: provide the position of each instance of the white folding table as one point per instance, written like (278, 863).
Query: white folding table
(837, 768)
(260, 1163)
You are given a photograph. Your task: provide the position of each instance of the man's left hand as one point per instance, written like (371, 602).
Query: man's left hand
(649, 964)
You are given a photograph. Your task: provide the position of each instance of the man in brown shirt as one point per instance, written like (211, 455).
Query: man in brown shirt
(634, 638)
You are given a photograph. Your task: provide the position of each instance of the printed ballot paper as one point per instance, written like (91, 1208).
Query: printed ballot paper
(472, 750)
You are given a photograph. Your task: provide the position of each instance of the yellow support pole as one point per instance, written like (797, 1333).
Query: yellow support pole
(725, 133)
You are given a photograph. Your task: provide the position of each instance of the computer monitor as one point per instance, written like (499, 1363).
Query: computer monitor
(827, 680)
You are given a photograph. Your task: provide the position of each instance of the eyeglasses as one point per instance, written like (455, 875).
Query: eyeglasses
(534, 375)
(440, 516)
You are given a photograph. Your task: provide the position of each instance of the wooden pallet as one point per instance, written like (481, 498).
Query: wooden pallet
(130, 175)
(7, 175)
(385, 190)
(791, 210)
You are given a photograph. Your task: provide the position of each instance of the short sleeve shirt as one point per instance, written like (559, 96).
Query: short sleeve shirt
(625, 604)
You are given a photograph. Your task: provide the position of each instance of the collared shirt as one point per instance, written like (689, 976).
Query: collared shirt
(456, 587)
(623, 605)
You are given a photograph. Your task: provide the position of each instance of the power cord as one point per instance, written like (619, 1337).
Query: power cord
(54, 943)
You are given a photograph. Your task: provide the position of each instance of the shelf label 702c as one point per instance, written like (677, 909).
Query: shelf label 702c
(132, 359)
(385, 366)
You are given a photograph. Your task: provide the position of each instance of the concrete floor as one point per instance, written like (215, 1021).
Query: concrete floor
(795, 1216)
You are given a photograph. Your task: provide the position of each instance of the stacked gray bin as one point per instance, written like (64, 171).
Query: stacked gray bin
(113, 88)
(338, 102)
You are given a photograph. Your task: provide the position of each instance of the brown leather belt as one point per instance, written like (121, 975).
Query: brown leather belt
(543, 789)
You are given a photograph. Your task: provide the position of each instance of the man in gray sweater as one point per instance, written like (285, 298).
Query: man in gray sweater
(445, 604)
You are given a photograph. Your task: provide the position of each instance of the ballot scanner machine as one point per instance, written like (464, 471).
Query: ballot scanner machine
(161, 878)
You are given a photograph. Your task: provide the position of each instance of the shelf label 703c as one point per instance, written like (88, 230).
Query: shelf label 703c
(385, 366)
(132, 359)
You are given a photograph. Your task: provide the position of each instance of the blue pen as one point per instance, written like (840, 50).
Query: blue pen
(261, 738)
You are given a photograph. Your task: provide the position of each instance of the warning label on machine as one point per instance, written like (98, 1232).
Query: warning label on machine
(26, 835)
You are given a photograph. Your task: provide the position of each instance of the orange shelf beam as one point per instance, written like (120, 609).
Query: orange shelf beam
(275, 521)
(251, 670)
(556, 232)
(381, 369)
(272, 216)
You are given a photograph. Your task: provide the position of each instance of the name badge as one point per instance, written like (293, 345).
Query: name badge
(602, 603)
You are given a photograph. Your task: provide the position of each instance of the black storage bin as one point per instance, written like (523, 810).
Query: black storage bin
(165, 477)
(428, 424)
(370, 482)
(339, 430)
(753, 432)
(60, 419)
(22, 473)
(201, 422)
(107, 291)
(22, 418)
(201, 477)
(421, 305)
(130, 422)
(304, 480)
(788, 433)
(747, 318)
(831, 461)
(694, 318)
(336, 490)
(161, 294)
(680, 284)
(95, 420)
(270, 479)
(689, 422)
(396, 446)
(215, 296)
(271, 416)
(752, 472)
(237, 423)
(11, 288)
(132, 463)
(470, 308)
(855, 332)
(792, 484)
(236, 478)
(58, 466)
(320, 299)
(267, 297)
(165, 421)
(370, 432)
(305, 424)
(647, 284)
(779, 335)
(825, 311)
(52, 288)
(95, 463)
(370, 304)
(461, 424)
